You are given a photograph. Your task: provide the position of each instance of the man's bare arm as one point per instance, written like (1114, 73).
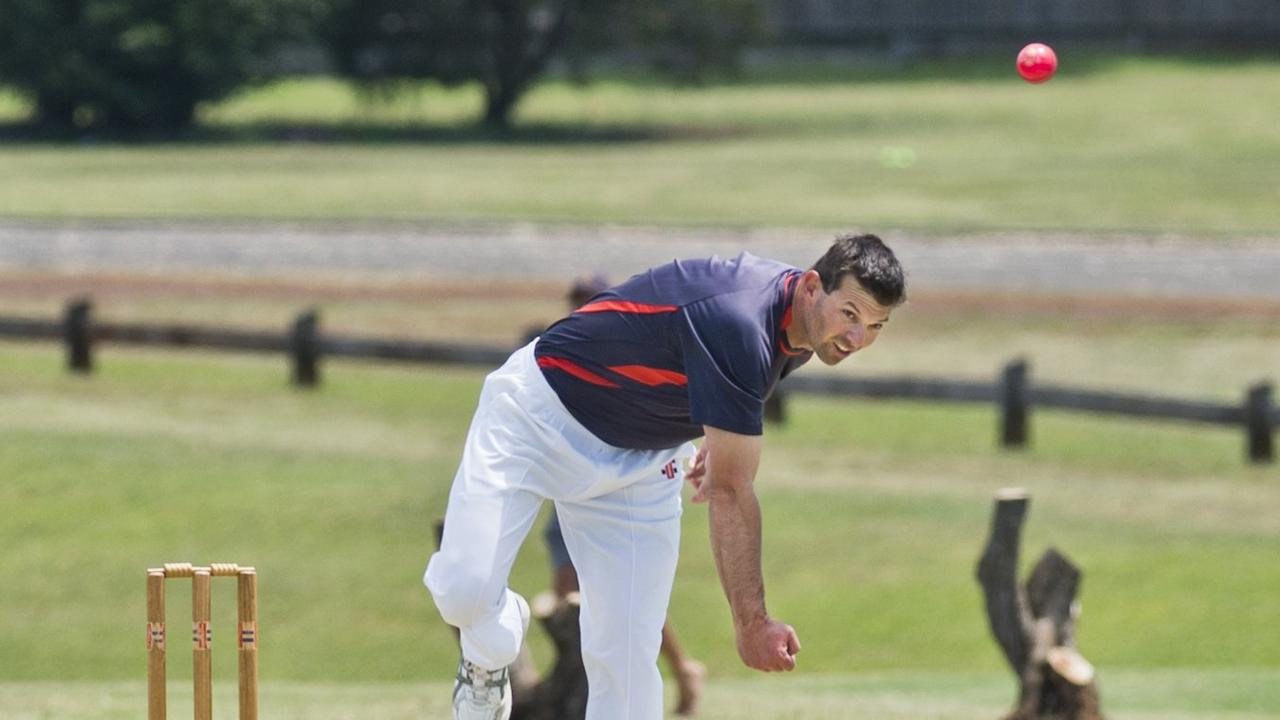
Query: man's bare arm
(725, 479)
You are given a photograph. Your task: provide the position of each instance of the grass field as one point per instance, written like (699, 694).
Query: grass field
(1155, 144)
(875, 514)
(1131, 695)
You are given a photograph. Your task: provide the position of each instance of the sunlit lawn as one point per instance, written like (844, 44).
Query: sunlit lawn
(1110, 144)
(874, 516)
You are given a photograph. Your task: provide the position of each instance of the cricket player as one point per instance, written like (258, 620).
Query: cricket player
(597, 415)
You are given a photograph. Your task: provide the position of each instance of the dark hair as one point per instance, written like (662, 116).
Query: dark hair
(585, 287)
(871, 263)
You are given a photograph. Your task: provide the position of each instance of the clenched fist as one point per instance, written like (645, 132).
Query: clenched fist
(768, 645)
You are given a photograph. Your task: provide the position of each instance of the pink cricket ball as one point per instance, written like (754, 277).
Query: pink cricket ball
(1037, 63)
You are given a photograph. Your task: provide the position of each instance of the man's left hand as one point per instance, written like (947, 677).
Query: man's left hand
(697, 475)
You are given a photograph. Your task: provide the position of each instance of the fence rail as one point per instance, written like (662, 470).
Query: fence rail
(30, 329)
(1012, 391)
(1140, 406)
(421, 352)
(893, 388)
(186, 336)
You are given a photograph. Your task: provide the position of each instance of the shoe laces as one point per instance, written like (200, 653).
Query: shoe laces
(480, 680)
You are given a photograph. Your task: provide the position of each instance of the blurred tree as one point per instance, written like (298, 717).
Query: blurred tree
(506, 45)
(133, 64)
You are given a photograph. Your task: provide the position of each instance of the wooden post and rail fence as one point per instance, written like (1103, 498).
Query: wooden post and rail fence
(1013, 392)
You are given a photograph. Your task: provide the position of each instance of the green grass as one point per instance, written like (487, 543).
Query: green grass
(1154, 144)
(1240, 694)
(12, 107)
(875, 514)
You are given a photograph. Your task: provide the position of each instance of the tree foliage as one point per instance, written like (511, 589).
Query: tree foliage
(506, 45)
(145, 65)
(132, 64)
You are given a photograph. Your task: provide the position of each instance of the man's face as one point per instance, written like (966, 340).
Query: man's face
(844, 321)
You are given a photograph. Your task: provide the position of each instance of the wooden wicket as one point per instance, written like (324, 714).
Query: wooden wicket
(247, 592)
(155, 645)
(202, 636)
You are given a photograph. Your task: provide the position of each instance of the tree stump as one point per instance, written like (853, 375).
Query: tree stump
(1035, 624)
(562, 693)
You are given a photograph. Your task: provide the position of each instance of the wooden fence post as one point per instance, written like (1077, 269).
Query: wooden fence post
(77, 332)
(1014, 406)
(304, 348)
(1257, 423)
(775, 407)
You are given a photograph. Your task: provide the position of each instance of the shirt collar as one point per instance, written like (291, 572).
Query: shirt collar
(789, 297)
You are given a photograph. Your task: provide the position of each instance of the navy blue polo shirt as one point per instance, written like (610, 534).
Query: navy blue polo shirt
(646, 364)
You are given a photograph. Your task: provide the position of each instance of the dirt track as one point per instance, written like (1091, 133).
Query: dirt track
(1240, 272)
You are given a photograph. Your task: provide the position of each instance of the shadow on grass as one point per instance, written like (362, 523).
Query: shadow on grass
(319, 133)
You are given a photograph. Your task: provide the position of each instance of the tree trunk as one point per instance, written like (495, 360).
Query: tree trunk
(500, 101)
(1035, 624)
(562, 694)
(55, 112)
(519, 50)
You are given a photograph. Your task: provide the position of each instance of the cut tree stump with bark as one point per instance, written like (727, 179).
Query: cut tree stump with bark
(562, 693)
(1035, 624)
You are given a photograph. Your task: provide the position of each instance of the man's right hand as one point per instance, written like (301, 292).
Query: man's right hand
(768, 645)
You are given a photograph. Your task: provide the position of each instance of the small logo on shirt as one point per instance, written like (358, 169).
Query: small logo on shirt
(670, 470)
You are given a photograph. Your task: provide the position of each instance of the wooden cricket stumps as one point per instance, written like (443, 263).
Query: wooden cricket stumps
(1035, 624)
(202, 636)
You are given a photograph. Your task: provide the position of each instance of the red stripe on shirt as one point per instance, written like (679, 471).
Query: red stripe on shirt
(576, 370)
(650, 376)
(626, 306)
(783, 345)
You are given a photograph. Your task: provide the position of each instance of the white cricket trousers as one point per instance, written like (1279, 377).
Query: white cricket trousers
(620, 513)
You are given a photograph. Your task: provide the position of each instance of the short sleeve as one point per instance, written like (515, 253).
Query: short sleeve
(726, 362)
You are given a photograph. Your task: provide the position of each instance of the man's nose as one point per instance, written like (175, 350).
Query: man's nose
(856, 336)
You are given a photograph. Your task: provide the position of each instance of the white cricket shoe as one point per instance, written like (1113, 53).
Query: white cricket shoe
(480, 694)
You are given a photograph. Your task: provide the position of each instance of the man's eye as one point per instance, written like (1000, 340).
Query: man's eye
(849, 314)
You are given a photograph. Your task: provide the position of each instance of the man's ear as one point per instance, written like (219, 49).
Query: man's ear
(811, 282)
